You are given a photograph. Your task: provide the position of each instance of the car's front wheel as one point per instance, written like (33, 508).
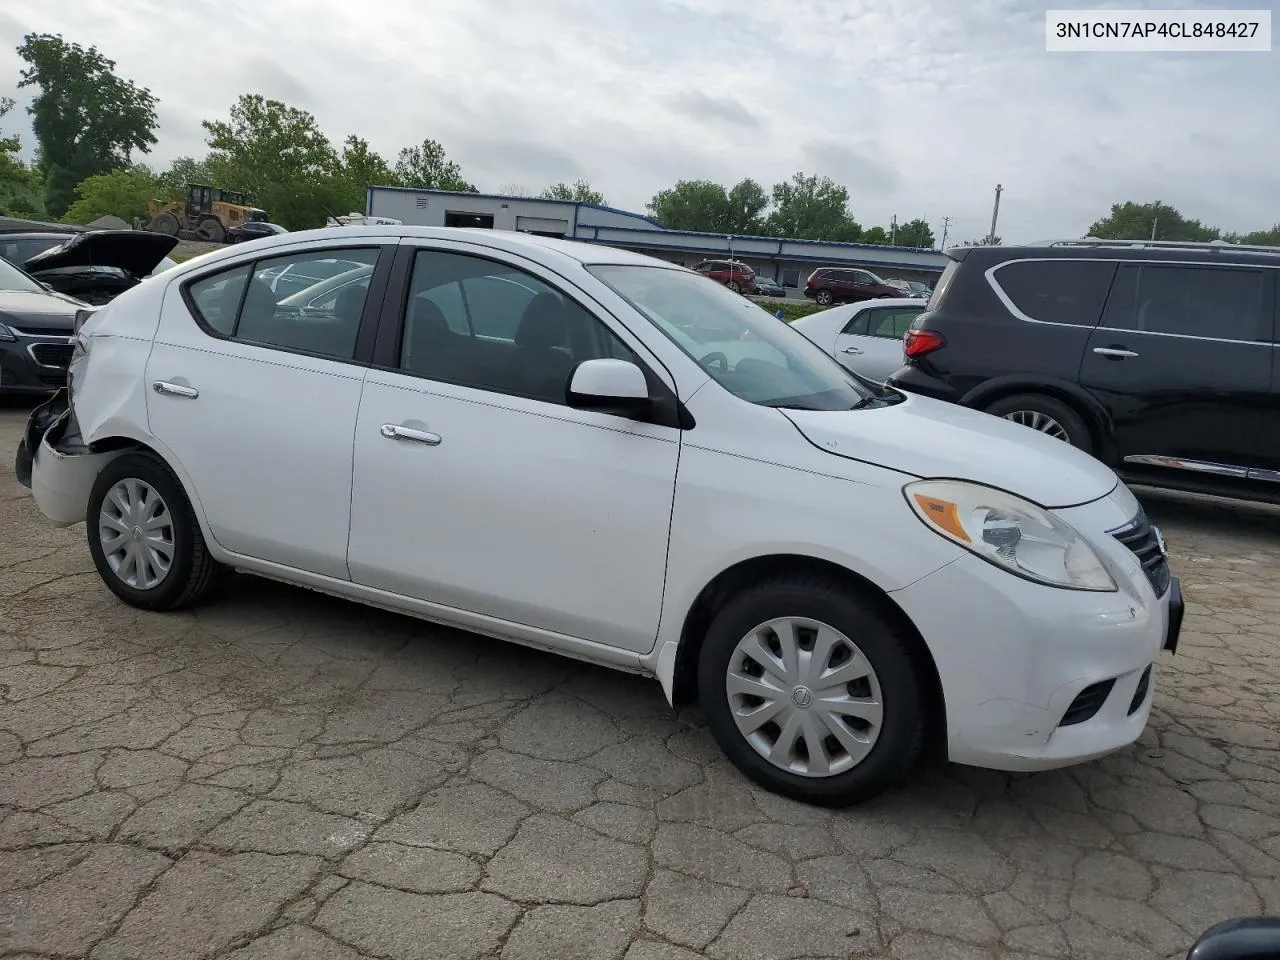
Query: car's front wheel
(144, 537)
(812, 692)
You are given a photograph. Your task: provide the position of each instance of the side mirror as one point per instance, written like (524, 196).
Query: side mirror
(611, 386)
(1254, 938)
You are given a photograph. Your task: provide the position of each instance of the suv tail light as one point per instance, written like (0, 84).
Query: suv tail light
(919, 343)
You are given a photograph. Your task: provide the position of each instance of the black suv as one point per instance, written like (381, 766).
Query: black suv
(1160, 359)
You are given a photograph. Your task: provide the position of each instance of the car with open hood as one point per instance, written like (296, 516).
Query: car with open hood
(94, 266)
(600, 454)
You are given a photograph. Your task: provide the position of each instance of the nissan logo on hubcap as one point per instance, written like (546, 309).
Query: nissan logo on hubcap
(802, 696)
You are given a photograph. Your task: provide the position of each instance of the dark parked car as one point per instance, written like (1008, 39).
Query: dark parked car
(767, 287)
(738, 277)
(252, 230)
(94, 266)
(36, 324)
(1157, 358)
(828, 285)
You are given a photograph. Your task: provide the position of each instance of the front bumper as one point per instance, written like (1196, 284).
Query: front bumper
(1036, 677)
(34, 363)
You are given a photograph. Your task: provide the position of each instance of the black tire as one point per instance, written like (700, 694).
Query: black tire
(165, 223)
(211, 230)
(192, 570)
(1038, 403)
(824, 298)
(881, 641)
(733, 285)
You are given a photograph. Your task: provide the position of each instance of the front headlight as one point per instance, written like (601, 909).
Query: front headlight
(1009, 532)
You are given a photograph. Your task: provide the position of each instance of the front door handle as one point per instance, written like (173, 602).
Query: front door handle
(1114, 353)
(175, 389)
(393, 431)
(850, 350)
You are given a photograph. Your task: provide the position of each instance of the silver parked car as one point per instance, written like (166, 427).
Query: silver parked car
(864, 337)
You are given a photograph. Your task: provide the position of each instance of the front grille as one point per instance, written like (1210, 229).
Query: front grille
(1140, 694)
(1140, 537)
(52, 354)
(1087, 703)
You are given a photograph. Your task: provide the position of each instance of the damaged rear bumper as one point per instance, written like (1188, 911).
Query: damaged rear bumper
(53, 461)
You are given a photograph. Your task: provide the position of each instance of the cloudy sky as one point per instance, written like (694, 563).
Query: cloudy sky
(919, 106)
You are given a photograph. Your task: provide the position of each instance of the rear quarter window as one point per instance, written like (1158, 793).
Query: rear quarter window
(1069, 292)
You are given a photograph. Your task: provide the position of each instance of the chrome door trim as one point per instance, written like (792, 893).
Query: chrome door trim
(1195, 466)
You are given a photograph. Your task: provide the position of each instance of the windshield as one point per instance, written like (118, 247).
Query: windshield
(744, 348)
(11, 278)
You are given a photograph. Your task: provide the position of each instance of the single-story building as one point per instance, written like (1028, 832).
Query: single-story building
(786, 260)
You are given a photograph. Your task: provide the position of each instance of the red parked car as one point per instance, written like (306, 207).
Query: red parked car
(828, 285)
(738, 277)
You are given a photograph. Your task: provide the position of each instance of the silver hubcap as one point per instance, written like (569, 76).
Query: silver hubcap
(136, 533)
(804, 696)
(1038, 421)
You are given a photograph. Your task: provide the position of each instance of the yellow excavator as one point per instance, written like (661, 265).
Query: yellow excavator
(208, 213)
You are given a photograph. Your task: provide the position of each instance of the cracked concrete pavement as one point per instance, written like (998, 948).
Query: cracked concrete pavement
(282, 775)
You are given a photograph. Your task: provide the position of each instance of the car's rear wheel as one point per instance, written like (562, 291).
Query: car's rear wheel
(734, 286)
(144, 537)
(1048, 415)
(824, 298)
(812, 692)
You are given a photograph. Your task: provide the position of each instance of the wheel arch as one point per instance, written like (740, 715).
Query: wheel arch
(1093, 413)
(713, 596)
(124, 442)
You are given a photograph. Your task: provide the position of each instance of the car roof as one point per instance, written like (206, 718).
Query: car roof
(1225, 253)
(543, 249)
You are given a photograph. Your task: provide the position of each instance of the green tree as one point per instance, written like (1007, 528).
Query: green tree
(707, 207)
(747, 203)
(989, 241)
(1262, 238)
(121, 193)
(20, 184)
(876, 235)
(580, 191)
(280, 157)
(360, 168)
(812, 208)
(915, 233)
(1134, 221)
(87, 120)
(172, 183)
(427, 167)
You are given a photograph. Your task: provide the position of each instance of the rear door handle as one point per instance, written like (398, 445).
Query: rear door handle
(175, 389)
(851, 350)
(1115, 353)
(393, 431)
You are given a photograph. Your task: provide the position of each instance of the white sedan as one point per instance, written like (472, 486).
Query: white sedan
(600, 454)
(864, 337)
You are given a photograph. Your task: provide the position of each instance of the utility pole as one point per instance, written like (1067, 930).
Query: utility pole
(946, 223)
(995, 212)
(893, 230)
(1155, 220)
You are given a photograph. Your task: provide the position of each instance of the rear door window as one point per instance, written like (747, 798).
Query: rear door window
(892, 323)
(1057, 291)
(1189, 301)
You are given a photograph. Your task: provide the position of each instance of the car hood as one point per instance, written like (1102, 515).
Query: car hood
(929, 438)
(38, 312)
(136, 252)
